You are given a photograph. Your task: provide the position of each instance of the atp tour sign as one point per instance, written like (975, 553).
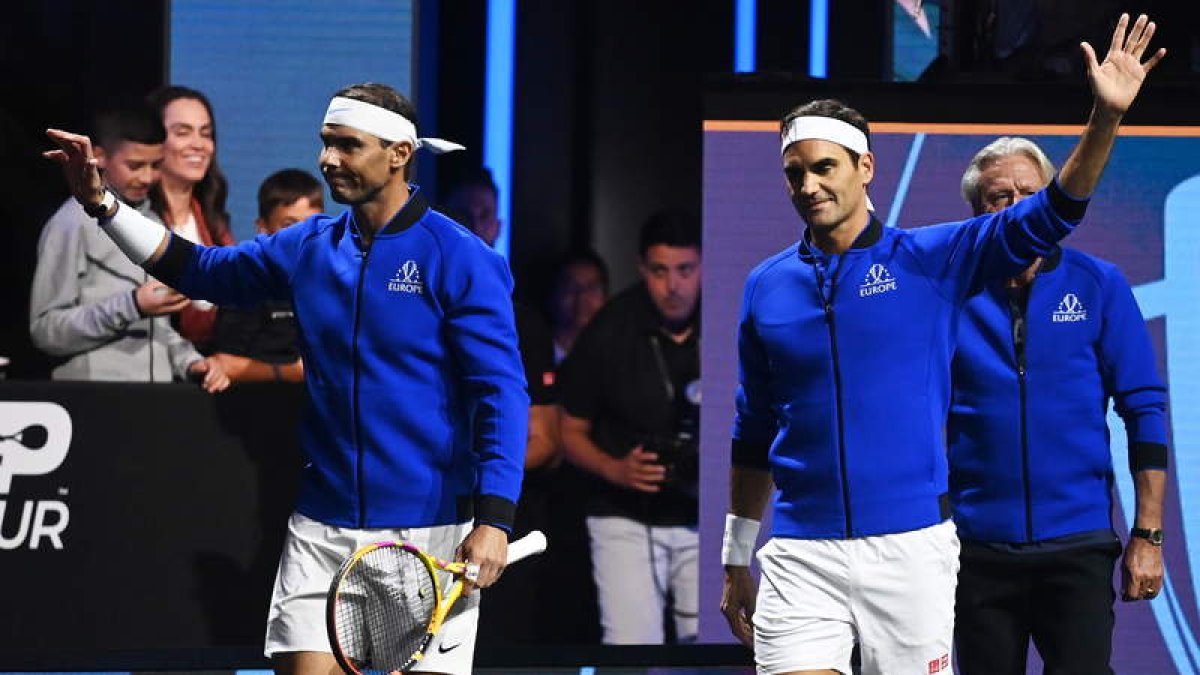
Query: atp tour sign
(1143, 218)
(34, 438)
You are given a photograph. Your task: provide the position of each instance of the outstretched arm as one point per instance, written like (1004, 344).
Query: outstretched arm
(247, 274)
(1115, 83)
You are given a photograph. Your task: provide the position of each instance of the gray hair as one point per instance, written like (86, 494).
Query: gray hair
(1002, 147)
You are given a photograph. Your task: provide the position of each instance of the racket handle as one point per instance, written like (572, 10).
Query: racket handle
(531, 544)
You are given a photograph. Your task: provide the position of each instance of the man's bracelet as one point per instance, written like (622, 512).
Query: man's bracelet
(105, 208)
(741, 535)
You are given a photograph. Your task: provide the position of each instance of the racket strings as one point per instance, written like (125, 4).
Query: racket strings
(384, 607)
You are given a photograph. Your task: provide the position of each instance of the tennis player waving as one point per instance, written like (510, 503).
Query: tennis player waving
(417, 411)
(844, 347)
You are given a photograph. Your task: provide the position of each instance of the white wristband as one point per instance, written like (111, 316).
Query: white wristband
(741, 535)
(137, 236)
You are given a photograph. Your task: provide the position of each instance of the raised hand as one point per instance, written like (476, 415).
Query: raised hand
(79, 164)
(1116, 81)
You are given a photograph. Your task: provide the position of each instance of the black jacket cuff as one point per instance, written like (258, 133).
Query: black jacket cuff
(1144, 455)
(1067, 207)
(170, 267)
(495, 511)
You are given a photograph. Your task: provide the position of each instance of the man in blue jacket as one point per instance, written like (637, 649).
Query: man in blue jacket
(1039, 356)
(844, 348)
(417, 410)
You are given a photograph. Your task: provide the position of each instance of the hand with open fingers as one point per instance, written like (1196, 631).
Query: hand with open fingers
(737, 603)
(1141, 570)
(1116, 81)
(154, 298)
(487, 548)
(639, 470)
(79, 164)
(213, 377)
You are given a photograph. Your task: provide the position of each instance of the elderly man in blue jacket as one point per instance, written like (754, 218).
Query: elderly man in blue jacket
(1039, 357)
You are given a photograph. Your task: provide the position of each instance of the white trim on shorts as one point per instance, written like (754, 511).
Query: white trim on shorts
(312, 553)
(893, 594)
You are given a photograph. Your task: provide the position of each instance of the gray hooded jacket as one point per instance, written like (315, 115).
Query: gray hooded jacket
(82, 309)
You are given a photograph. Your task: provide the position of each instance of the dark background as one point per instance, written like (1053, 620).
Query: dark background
(608, 102)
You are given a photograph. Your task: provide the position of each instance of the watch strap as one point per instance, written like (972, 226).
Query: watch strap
(1153, 535)
(104, 208)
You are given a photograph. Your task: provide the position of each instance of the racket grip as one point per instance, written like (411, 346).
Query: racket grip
(531, 544)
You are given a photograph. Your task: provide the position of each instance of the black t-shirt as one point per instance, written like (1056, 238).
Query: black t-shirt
(637, 386)
(266, 333)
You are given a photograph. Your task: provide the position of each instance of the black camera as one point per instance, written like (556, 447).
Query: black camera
(680, 454)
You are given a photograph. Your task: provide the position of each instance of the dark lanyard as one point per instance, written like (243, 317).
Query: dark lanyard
(661, 363)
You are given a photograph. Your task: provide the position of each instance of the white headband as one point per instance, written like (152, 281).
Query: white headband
(383, 123)
(813, 127)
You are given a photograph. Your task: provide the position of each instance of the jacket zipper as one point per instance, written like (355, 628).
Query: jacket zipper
(831, 321)
(1017, 309)
(360, 473)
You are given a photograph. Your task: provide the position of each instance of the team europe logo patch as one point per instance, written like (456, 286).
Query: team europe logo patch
(1070, 310)
(407, 279)
(878, 280)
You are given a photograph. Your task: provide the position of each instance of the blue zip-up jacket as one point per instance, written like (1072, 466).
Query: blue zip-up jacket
(417, 411)
(845, 365)
(1029, 445)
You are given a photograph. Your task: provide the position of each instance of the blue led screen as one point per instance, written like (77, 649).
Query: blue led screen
(270, 66)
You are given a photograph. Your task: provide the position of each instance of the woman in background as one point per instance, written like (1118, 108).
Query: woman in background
(190, 199)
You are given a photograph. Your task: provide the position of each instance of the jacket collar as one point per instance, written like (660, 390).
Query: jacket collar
(870, 236)
(413, 211)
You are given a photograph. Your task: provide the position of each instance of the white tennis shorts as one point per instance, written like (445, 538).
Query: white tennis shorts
(311, 556)
(892, 593)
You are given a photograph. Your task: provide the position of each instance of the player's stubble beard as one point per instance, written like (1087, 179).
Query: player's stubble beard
(363, 197)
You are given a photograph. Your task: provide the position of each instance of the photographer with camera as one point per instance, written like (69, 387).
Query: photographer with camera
(630, 396)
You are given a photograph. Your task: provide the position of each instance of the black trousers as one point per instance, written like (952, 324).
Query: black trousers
(1063, 601)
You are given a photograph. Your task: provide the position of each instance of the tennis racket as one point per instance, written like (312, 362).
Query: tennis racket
(385, 603)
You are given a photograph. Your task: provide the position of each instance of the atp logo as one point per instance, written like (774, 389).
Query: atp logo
(878, 280)
(34, 438)
(407, 279)
(1070, 310)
